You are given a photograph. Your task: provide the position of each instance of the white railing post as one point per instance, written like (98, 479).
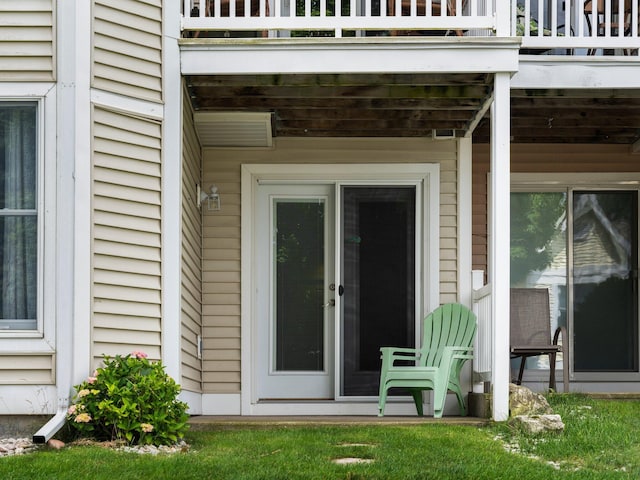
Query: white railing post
(483, 341)
(503, 18)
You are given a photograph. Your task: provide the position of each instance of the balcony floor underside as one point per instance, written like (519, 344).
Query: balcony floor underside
(411, 87)
(414, 105)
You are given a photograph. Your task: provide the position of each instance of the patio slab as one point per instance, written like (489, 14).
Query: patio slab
(204, 422)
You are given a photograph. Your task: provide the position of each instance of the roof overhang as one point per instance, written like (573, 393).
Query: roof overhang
(355, 55)
(561, 71)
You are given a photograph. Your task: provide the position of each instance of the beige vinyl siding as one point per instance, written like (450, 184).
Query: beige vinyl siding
(126, 240)
(191, 296)
(27, 32)
(551, 158)
(221, 230)
(27, 369)
(448, 229)
(127, 47)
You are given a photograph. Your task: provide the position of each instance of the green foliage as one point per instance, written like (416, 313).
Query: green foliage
(533, 24)
(130, 398)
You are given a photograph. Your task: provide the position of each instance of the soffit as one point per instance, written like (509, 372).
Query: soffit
(349, 105)
(587, 116)
(414, 105)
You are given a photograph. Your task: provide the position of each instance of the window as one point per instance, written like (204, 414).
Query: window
(581, 243)
(18, 216)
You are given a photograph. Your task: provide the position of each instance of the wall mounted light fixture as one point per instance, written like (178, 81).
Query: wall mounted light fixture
(212, 198)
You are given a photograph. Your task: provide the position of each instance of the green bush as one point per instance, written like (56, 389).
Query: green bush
(130, 398)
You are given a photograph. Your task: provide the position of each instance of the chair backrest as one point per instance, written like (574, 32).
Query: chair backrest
(451, 324)
(600, 6)
(530, 317)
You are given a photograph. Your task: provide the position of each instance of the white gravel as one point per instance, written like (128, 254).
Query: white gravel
(16, 446)
(19, 446)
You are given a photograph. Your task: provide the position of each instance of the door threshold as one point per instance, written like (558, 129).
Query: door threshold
(328, 407)
(294, 400)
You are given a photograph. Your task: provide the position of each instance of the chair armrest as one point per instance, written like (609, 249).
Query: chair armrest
(560, 331)
(449, 354)
(391, 354)
(458, 352)
(394, 350)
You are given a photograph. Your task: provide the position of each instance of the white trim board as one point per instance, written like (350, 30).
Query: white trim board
(565, 72)
(28, 399)
(397, 55)
(171, 115)
(229, 404)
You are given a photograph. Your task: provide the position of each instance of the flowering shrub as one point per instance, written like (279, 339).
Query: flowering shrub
(131, 399)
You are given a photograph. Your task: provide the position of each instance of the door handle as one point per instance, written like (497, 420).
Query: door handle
(330, 303)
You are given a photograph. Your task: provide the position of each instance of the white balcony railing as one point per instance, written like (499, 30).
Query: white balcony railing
(483, 346)
(337, 18)
(597, 27)
(578, 27)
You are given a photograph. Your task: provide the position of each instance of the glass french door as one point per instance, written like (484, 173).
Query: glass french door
(295, 307)
(378, 267)
(334, 285)
(583, 246)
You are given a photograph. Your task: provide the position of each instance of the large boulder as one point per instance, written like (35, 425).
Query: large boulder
(522, 401)
(531, 411)
(539, 423)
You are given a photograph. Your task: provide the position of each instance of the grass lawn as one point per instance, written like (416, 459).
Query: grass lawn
(601, 441)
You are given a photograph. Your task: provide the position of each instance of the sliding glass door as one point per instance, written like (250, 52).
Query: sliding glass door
(582, 245)
(379, 242)
(605, 294)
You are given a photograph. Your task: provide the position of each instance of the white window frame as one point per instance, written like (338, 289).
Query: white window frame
(42, 339)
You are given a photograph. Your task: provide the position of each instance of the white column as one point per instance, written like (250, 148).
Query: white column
(171, 194)
(499, 243)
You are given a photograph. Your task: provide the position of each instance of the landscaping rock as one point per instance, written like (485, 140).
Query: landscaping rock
(352, 460)
(55, 444)
(540, 423)
(522, 401)
(532, 412)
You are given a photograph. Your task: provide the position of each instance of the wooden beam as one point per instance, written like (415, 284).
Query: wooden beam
(204, 103)
(329, 92)
(335, 80)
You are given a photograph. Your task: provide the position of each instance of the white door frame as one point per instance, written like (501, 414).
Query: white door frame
(428, 175)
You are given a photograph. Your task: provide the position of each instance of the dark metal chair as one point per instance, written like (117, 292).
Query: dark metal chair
(617, 20)
(531, 332)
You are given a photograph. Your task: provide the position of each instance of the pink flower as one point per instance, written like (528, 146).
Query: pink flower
(139, 354)
(83, 418)
(146, 427)
(72, 410)
(91, 380)
(83, 393)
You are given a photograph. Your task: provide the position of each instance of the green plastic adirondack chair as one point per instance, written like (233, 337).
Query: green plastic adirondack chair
(447, 343)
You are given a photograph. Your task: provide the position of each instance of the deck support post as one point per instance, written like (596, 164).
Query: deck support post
(499, 243)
